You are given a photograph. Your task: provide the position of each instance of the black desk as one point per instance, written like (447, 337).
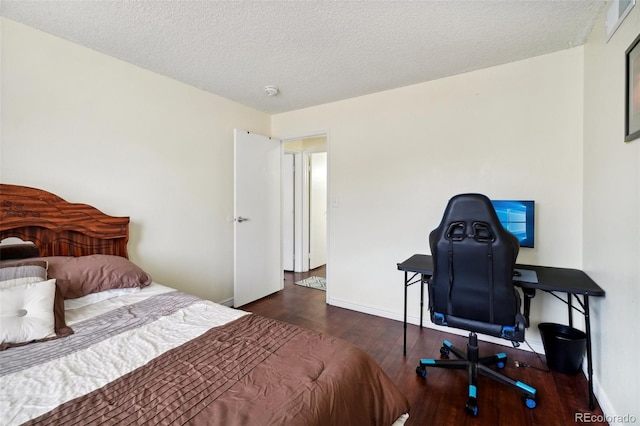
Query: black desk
(573, 282)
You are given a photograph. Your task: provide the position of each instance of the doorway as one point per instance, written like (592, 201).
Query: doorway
(304, 235)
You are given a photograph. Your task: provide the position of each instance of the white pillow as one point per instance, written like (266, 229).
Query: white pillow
(92, 298)
(26, 312)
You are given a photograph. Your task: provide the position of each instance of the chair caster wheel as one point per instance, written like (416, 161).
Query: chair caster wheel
(471, 408)
(528, 401)
(421, 371)
(444, 351)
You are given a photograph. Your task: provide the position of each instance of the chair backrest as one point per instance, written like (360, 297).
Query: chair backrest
(473, 260)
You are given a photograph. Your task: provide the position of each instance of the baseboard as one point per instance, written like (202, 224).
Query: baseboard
(611, 416)
(228, 302)
(610, 413)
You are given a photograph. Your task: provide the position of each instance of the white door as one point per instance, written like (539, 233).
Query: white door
(318, 210)
(288, 212)
(257, 218)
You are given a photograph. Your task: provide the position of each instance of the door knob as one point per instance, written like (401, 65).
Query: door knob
(241, 219)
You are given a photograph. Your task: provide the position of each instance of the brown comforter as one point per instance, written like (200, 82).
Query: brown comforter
(252, 371)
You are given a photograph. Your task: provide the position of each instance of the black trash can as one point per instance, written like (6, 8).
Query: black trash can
(564, 347)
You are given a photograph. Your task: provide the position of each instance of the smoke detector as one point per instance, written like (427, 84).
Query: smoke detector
(271, 90)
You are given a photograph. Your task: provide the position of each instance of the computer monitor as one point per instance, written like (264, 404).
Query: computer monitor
(517, 217)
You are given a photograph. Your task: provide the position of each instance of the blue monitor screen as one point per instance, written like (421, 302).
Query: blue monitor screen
(517, 217)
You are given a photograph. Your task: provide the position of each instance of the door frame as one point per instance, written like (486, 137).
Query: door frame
(289, 220)
(302, 208)
(317, 257)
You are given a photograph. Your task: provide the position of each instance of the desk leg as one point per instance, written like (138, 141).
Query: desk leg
(421, 298)
(406, 282)
(570, 305)
(587, 321)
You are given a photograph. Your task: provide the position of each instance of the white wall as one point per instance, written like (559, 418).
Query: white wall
(612, 217)
(94, 129)
(396, 157)
(97, 130)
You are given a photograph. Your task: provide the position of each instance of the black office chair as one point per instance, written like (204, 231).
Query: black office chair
(472, 289)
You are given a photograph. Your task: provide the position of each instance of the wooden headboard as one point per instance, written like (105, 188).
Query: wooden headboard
(57, 227)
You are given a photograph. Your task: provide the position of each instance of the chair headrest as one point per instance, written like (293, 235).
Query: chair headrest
(470, 207)
(471, 216)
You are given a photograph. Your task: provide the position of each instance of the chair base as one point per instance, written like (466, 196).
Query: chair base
(474, 365)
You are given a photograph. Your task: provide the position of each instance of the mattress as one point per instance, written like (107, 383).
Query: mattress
(158, 356)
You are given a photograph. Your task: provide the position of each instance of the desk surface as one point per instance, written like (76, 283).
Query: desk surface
(573, 281)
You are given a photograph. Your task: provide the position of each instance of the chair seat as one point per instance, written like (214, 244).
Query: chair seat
(513, 333)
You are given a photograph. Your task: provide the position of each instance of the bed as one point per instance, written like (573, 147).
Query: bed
(89, 338)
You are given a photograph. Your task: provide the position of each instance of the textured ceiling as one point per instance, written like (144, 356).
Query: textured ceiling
(314, 51)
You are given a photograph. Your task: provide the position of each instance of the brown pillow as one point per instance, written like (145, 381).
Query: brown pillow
(60, 323)
(18, 251)
(79, 276)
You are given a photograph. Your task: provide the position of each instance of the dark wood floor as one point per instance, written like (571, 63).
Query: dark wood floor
(440, 398)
